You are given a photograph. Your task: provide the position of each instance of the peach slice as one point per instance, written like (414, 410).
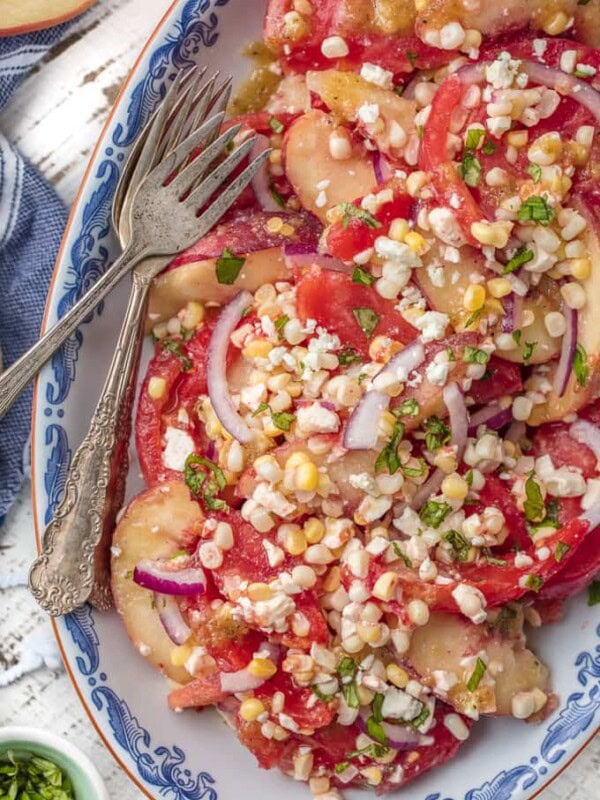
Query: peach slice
(21, 16)
(156, 525)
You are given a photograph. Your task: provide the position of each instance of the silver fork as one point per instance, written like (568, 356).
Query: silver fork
(162, 224)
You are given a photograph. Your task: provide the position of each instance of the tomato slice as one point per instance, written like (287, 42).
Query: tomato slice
(203, 691)
(502, 378)
(497, 493)
(299, 701)
(330, 298)
(308, 605)
(346, 241)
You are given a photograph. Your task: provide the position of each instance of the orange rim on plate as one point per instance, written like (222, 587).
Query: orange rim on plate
(74, 207)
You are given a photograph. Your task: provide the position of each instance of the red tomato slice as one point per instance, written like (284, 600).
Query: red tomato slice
(497, 493)
(357, 236)
(330, 298)
(307, 604)
(299, 701)
(504, 378)
(204, 691)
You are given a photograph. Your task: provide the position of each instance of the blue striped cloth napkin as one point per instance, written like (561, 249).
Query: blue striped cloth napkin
(32, 220)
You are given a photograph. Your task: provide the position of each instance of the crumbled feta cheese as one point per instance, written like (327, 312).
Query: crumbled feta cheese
(398, 704)
(437, 374)
(368, 113)
(437, 275)
(373, 73)
(501, 72)
(432, 325)
(275, 502)
(471, 602)
(315, 418)
(445, 226)
(178, 446)
(275, 555)
(398, 252)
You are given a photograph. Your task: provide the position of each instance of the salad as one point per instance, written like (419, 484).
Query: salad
(370, 428)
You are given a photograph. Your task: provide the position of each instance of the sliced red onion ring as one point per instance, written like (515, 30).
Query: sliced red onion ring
(381, 168)
(260, 182)
(454, 400)
(513, 306)
(361, 430)
(492, 416)
(428, 489)
(216, 373)
(240, 681)
(567, 353)
(172, 619)
(299, 255)
(183, 583)
(565, 84)
(516, 432)
(586, 433)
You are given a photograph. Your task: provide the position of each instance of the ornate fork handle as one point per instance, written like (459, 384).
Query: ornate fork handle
(15, 379)
(62, 577)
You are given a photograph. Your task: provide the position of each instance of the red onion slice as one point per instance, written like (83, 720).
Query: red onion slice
(381, 168)
(299, 255)
(513, 307)
(565, 84)
(183, 583)
(567, 353)
(492, 416)
(361, 430)
(216, 373)
(428, 489)
(172, 619)
(240, 681)
(260, 182)
(454, 400)
(588, 434)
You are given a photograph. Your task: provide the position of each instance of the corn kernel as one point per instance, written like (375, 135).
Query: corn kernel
(494, 234)
(499, 287)
(314, 530)
(517, 138)
(398, 230)
(374, 775)
(396, 675)
(580, 268)
(368, 632)
(416, 243)
(446, 460)
(179, 655)
(319, 785)
(262, 668)
(332, 580)
(157, 387)
(259, 591)
(474, 297)
(296, 459)
(558, 23)
(365, 696)
(251, 709)
(193, 314)
(295, 542)
(385, 586)
(382, 348)
(307, 477)
(258, 348)
(454, 487)
(387, 423)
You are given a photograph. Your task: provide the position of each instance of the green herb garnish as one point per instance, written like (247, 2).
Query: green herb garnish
(229, 267)
(434, 512)
(423, 717)
(389, 455)
(277, 196)
(437, 434)
(275, 125)
(536, 209)
(283, 420)
(349, 356)
(477, 675)
(367, 320)
(281, 322)
(24, 776)
(580, 365)
(362, 277)
(534, 582)
(489, 148)
(459, 544)
(534, 504)
(402, 555)
(560, 551)
(594, 593)
(175, 348)
(211, 480)
(412, 57)
(528, 351)
(472, 355)
(351, 211)
(522, 256)
(474, 137)
(407, 408)
(376, 731)
(470, 169)
(536, 172)
(326, 698)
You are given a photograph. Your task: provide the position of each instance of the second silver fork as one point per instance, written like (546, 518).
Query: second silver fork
(73, 566)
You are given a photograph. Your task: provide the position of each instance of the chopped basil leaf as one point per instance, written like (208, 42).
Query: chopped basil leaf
(412, 57)
(534, 582)
(402, 555)
(349, 356)
(175, 348)
(495, 562)
(534, 504)
(277, 197)
(423, 716)
(326, 698)
(347, 671)
(536, 209)
(375, 731)
(437, 434)
(229, 267)
(459, 544)
(407, 408)
(477, 675)
(522, 256)
(580, 365)
(283, 420)
(415, 472)
(362, 277)
(469, 478)
(474, 317)
(434, 512)
(367, 319)
(594, 593)
(275, 125)
(261, 409)
(472, 355)
(351, 695)
(420, 131)
(474, 137)
(197, 479)
(502, 621)
(351, 211)
(535, 171)
(376, 706)
(489, 148)
(528, 351)
(347, 667)
(281, 322)
(371, 751)
(470, 169)
(389, 455)
(560, 551)
(342, 766)
(25, 776)
(517, 336)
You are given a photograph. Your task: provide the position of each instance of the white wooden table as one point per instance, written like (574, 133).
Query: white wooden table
(54, 119)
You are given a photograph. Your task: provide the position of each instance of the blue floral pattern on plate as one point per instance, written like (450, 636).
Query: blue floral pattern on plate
(194, 27)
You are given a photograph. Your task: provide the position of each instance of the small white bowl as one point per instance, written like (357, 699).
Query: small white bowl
(87, 781)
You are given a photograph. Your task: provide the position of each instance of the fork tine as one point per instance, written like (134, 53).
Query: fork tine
(216, 177)
(213, 105)
(197, 167)
(215, 211)
(181, 113)
(178, 157)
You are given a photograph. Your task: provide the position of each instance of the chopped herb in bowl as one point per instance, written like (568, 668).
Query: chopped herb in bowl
(24, 776)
